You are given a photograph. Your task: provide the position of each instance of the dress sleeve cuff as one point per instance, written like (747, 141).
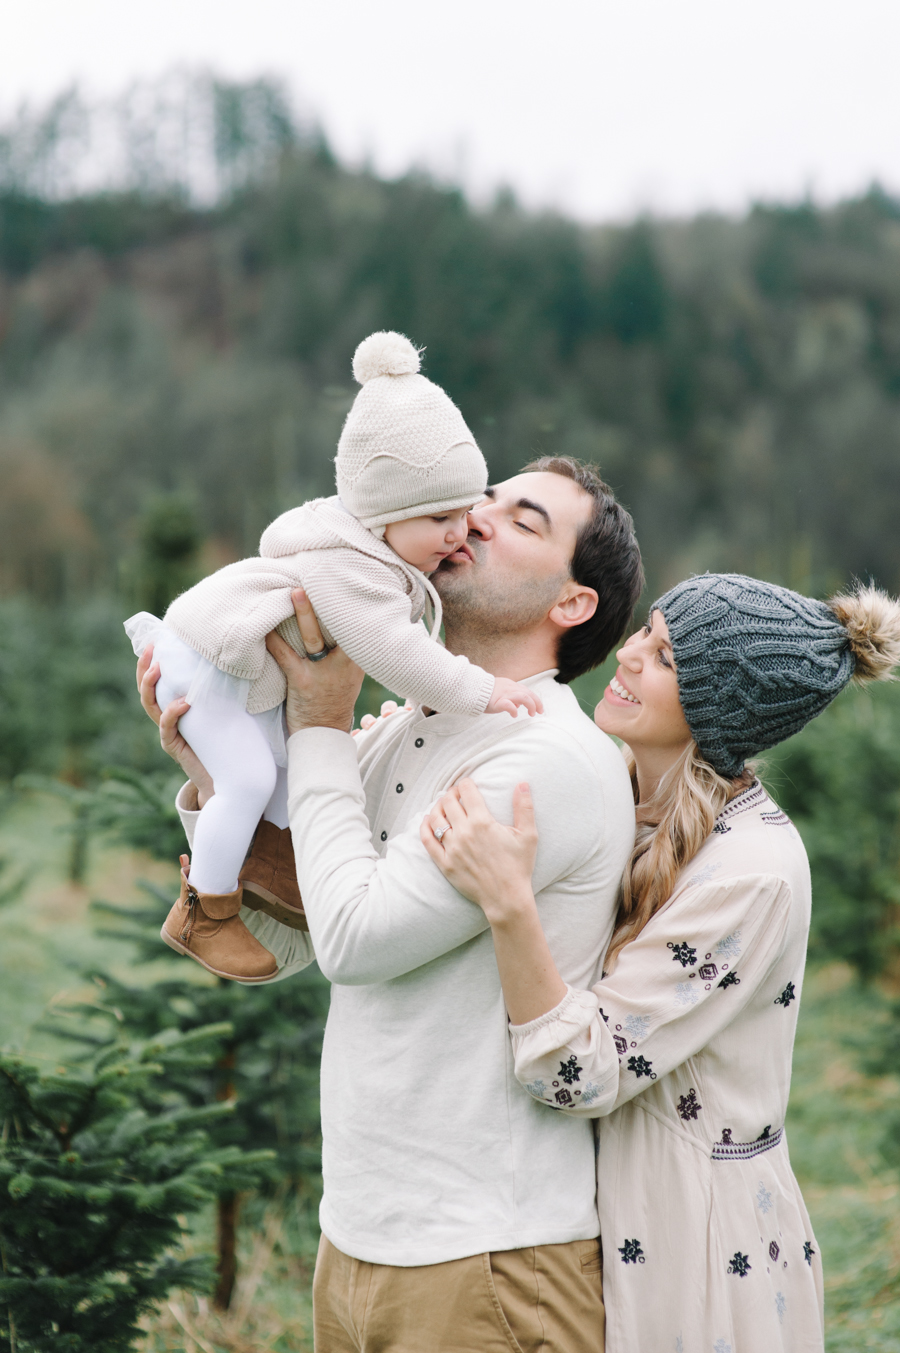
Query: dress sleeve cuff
(576, 1009)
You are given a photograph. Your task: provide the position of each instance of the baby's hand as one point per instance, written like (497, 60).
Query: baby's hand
(368, 720)
(507, 695)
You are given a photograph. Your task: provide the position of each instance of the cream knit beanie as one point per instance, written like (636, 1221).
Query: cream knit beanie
(405, 450)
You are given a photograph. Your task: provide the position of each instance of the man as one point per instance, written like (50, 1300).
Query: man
(459, 1214)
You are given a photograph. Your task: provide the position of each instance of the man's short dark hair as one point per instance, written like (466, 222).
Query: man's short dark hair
(607, 558)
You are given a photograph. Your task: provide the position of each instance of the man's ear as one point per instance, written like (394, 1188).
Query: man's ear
(576, 605)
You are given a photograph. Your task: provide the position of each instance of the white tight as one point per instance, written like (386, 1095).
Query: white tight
(249, 785)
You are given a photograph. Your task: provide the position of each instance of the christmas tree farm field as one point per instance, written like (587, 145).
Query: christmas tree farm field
(844, 1108)
(248, 1254)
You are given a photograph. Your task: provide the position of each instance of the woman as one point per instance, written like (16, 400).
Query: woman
(683, 1049)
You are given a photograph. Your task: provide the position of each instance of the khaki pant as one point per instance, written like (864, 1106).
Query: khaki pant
(548, 1299)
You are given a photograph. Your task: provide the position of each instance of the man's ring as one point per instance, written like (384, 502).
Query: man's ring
(440, 832)
(317, 657)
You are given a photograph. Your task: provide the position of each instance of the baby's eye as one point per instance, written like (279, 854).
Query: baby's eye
(438, 518)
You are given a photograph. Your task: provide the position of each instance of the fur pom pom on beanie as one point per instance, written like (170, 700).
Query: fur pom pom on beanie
(755, 662)
(405, 450)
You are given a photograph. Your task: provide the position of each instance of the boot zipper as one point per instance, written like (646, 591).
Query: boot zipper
(193, 902)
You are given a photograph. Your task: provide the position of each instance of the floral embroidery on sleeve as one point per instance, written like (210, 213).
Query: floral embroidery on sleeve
(786, 996)
(570, 1071)
(730, 946)
(682, 953)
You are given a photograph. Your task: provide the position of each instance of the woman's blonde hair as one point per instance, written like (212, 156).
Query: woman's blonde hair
(674, 823)
(671, 828)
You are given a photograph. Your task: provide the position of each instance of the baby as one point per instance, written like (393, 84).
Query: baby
(408, 471)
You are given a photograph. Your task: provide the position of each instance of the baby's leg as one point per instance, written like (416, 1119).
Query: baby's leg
(237, 755)
(277, 807)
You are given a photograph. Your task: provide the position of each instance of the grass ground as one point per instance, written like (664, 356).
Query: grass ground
(836, 1123)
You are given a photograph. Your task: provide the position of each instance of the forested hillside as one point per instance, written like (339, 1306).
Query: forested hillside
(738, 381)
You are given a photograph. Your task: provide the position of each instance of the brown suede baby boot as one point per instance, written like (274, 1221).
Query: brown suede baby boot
(208, 928)
(269, 877)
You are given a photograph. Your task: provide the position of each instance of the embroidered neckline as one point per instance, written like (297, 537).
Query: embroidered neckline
(751, 797)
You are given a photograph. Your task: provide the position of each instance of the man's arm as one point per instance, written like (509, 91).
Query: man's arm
(371, 918)
(375, 918)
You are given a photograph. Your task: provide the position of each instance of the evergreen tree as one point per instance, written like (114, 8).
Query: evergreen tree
(170, 538)
(839, 781)
(266, 1068)
(97, 1165)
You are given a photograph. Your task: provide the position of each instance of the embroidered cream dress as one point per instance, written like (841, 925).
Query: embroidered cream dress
(683, 1054)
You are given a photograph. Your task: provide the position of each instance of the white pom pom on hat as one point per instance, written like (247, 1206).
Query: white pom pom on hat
(385, 354)
(405, 450)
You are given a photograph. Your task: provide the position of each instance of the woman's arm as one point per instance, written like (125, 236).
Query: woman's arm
(688, 975)
(492, 865)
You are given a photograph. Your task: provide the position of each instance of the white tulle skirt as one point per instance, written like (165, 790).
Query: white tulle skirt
(185, 672)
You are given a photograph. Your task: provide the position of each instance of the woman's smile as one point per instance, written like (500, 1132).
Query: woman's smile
(621, 695)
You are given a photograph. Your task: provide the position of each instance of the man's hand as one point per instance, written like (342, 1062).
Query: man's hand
(166, 720)
(319, 694)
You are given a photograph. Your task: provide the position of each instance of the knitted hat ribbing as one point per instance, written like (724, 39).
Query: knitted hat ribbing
(405, 450)
(755, 662)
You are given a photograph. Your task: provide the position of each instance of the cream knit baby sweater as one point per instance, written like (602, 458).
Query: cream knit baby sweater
(367, 599)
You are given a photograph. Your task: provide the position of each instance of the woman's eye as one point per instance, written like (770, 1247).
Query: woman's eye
(647, 627)
(663, 659)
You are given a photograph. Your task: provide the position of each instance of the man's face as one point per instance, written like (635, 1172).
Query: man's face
(514, 565)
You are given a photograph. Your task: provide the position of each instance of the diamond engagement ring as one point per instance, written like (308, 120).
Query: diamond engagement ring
(440, 832)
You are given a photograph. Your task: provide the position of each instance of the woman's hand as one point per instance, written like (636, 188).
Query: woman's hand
(319, 694)
(487, 862)
(166, 720)
(492, 865)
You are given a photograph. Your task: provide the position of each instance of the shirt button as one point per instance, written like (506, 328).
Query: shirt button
(399, 789)
(420, 742)
(384, 836)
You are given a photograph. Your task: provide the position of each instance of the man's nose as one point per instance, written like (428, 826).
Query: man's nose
(479, 522)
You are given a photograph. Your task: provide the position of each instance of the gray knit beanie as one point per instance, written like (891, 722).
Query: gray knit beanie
(405, 450)
(756, 662)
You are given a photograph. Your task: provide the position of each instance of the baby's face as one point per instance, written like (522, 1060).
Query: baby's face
(425, 541)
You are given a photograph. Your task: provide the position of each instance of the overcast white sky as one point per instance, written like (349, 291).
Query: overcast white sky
(601, 107)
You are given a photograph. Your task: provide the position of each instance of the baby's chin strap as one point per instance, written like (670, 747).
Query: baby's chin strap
(432, 595)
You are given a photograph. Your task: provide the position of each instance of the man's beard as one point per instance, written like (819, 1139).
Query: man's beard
(482, 605)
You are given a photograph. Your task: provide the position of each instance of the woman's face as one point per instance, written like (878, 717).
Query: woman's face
(641, 704)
